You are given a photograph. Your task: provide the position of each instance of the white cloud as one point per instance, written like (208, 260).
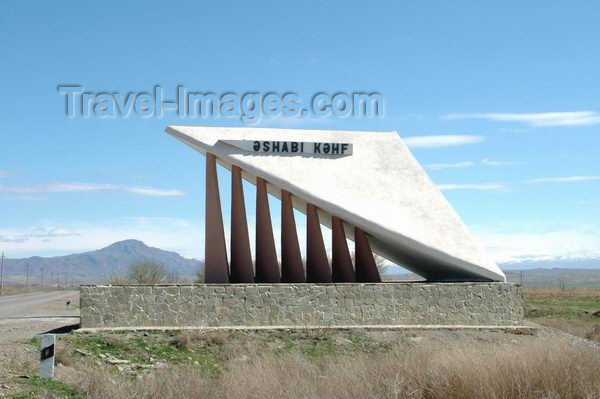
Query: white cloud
(171, 234)
(454, 165)
(491, 162)
(514, 243)
(441, 140)
(37, 232)
(12, 238)
(88, 187)
(466, 164)
(48, 232)
(564, 179)
(473, 186)
(535, 119)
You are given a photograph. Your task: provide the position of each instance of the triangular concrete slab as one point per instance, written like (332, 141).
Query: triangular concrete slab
(380, 188)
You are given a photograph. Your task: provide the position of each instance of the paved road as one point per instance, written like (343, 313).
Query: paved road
(36, 304)
(25, 315)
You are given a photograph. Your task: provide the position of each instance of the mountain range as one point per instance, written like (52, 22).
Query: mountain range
(553, 263)
(112, 260)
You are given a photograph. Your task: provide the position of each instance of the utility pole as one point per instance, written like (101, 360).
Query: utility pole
(57, 279)
(521, 277)
(27, 278)
(42, 283)
(2, 275)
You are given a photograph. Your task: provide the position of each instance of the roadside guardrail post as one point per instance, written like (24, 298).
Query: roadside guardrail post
(47, 356)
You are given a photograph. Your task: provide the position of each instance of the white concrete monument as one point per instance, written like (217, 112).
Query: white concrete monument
(366, 186)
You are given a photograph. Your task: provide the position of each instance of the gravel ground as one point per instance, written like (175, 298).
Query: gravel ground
(24, 316)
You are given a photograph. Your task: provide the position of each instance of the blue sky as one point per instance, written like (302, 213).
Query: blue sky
(515, 84)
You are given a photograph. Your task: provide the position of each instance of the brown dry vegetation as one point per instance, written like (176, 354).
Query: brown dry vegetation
(556, 293)
(323, 364)
(576, 311)
(539, 371)
(21, 289)
(587, 330)
(326, 363)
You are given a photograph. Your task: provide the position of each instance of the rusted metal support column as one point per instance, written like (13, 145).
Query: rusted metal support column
(341, 261)
(317, 265)
(366, 269)
(215, 253)
(267, 268)
(292, 270)
(241, 257)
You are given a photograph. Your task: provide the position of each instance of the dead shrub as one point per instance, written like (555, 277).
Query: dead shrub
(147, 272)
(320, 333)
(185, 339)
(215, 338)
(182, 340)
(117, 280)
(594, 334)
(63, 356)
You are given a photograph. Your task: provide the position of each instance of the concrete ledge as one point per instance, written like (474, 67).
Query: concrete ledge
(302, 305)
(523, 329)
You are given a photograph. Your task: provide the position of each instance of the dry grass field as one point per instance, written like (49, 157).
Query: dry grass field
(478, 372)
(15, 290)
(21, 289)
(576, 311)
(326, 363)
(313, 364)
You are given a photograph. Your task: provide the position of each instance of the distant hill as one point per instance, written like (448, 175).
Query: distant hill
(102, 263)
(555, 273)
(556, 278)
(567, 272)
(553, 263)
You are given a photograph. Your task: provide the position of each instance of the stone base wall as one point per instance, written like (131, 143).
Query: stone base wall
(301, 305)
